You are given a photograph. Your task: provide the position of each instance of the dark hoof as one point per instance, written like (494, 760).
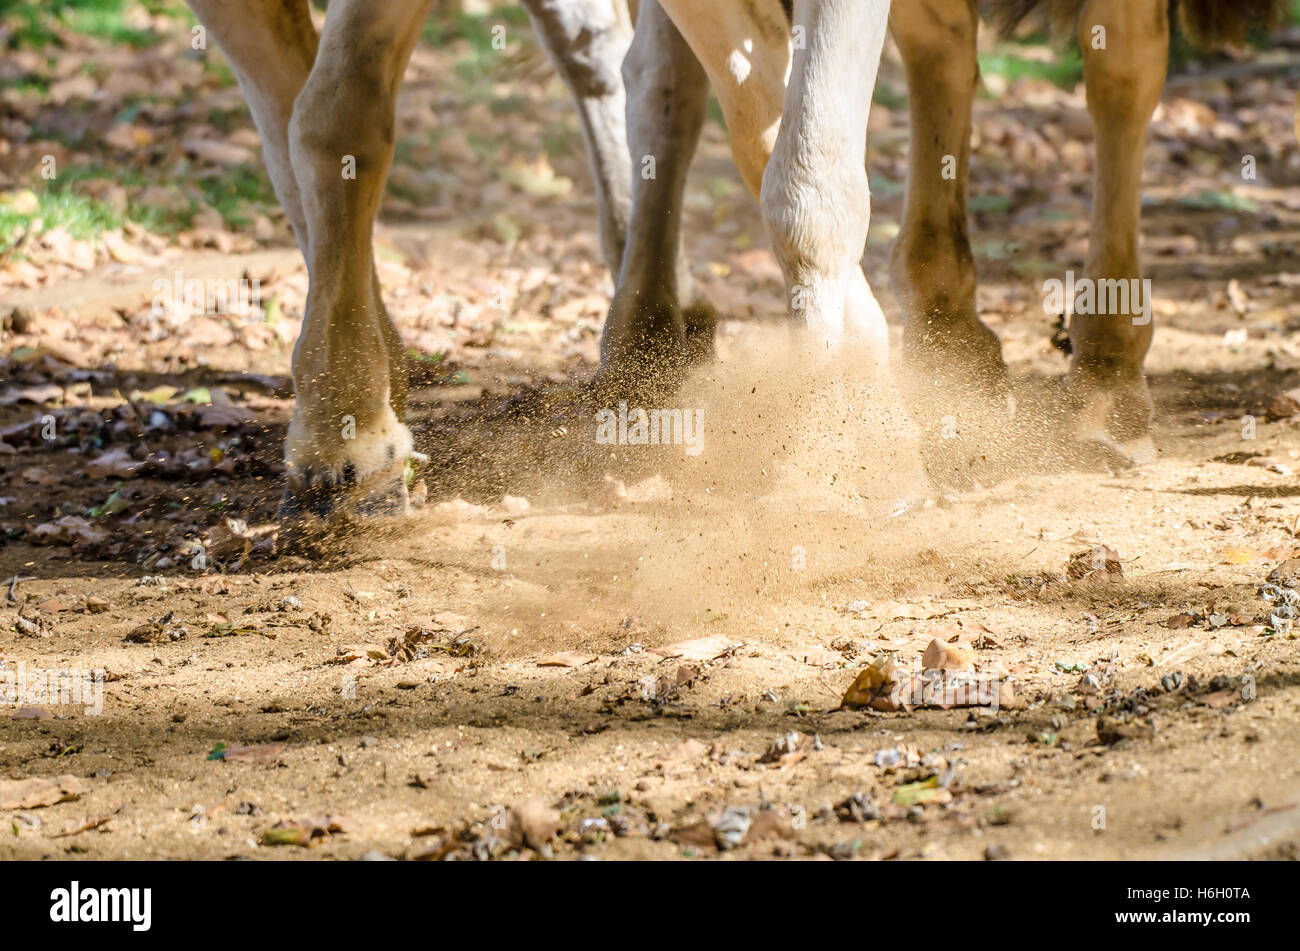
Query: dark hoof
(647, 347)
(642, 379)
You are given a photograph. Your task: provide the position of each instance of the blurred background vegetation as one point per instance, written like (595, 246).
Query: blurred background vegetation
(149, 132)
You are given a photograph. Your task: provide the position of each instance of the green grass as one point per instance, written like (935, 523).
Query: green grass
(237, 194)
(80, 216)
(27, 84)
(219, 71)
(477, 30)
(234, 193)
(1064, 70)
(34, 22)
(889, 96)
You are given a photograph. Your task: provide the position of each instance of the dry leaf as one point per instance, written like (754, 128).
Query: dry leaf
(360, 655)
(941, 656)
(871, 688)
(817, 656)
(218, 152)
(69, 530)
(46, 393)
(1284, 405)
(37, 791)
(703, 648)
(114, 464)
(1221, 698)
(1099, 563)
(88, 825)
(1287, 573)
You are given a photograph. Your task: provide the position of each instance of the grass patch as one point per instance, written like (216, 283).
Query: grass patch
(27, 84)
(236, 193)
(1064, 70)
(477, 30)
(60, 207)
(889, 96)
(36, 24)
(164, 221)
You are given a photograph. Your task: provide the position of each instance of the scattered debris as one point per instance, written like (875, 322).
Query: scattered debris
(880, 686)
(790, 748)
(308, 832)
(1096, 564)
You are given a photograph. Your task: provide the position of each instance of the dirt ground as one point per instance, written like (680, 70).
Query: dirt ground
(467, 681)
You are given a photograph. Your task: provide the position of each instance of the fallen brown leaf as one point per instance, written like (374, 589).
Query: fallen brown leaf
(817, 656)
(871, 688)
(703, 648)
(113, 464)
(87, 826)
(38, 791)
(943, 656)
(1100, 563)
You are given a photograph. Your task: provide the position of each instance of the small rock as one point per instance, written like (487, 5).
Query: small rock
(731, 827)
